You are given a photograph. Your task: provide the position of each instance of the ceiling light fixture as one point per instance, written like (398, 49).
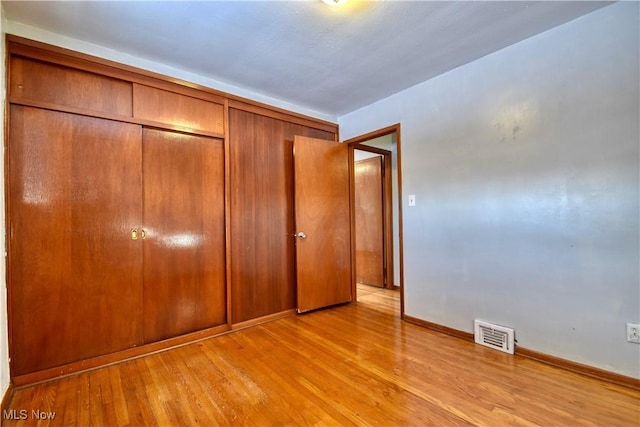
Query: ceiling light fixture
(335, 2)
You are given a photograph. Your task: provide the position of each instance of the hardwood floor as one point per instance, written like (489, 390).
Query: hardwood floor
(354, 364)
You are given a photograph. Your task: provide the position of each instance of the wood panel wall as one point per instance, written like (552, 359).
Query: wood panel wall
(258, 258)
(262, 215)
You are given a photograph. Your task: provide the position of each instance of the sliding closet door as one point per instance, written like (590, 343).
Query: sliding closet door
(74, 270)
(184, 240)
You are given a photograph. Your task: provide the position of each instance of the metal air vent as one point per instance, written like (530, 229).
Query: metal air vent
(494, 336)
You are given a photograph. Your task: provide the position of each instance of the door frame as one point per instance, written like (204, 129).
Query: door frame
(354, 143)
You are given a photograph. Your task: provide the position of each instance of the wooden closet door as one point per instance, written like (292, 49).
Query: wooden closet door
(184, 245)
(75, 278)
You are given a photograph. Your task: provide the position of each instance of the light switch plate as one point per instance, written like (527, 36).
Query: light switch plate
(412, 199)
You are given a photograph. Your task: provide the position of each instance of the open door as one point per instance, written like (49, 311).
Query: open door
(323, 223)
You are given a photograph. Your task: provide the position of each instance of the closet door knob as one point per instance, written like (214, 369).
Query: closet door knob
(301, 235)
(134, 234)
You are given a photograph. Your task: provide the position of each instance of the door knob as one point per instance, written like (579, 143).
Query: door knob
(301, 235)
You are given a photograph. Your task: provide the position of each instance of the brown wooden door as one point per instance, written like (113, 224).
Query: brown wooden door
(323, 253)
(369, 222)
(74, 277)
(184, 243)
(263, 275)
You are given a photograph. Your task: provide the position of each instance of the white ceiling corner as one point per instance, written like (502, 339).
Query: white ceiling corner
(332, 60)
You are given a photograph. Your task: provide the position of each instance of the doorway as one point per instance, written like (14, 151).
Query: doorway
(373, 217)
(365, 153)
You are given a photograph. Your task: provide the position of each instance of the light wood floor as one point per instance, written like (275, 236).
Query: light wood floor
(356, 364)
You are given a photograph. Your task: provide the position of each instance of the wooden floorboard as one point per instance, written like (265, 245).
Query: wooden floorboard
(355, 364)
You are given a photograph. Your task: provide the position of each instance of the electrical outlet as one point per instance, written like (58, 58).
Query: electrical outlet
(633, 333)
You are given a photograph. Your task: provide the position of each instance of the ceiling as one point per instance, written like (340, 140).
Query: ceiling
(331, 60)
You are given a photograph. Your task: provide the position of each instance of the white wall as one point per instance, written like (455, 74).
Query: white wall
(525, 165)
(4, 342)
